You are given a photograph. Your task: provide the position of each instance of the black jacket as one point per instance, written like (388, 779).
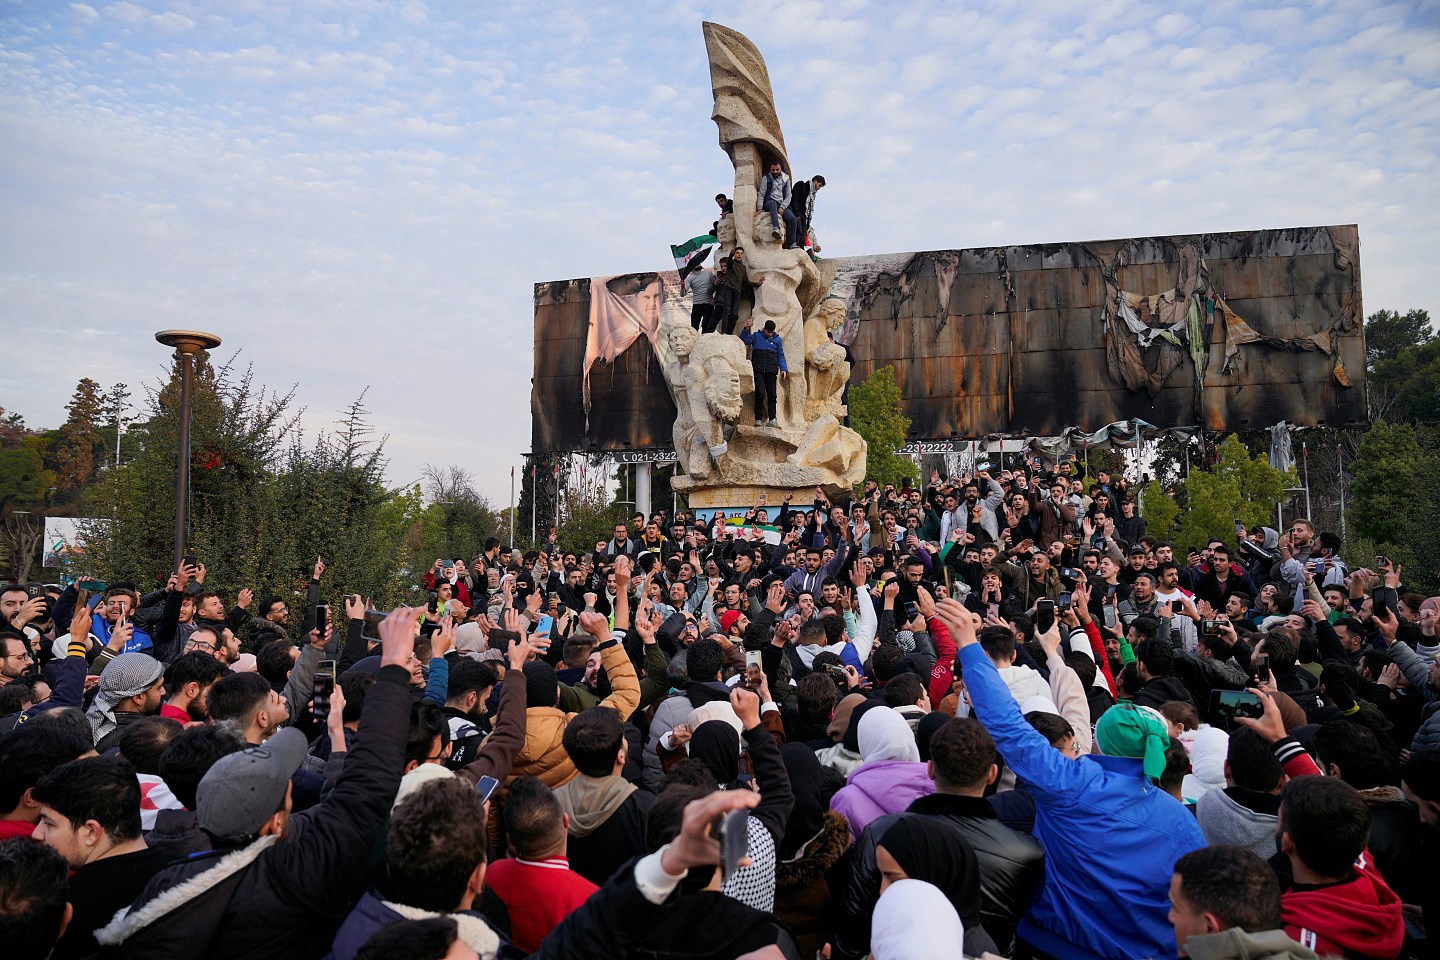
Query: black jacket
(705, 926)
(1011, 867)
(1163, 690)
(281, 898)
(597, 855)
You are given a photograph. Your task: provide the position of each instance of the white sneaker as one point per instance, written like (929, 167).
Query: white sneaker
(758, 423)
(774, 424)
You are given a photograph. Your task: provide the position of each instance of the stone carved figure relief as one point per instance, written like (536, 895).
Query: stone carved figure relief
(713, 386)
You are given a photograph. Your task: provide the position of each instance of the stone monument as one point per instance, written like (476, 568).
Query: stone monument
(726, 462)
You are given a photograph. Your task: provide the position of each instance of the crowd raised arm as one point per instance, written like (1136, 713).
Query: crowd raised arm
(986, 716)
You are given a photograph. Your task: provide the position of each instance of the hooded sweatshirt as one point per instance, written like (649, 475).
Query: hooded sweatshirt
(1025, 683)
(607, 823)
(1358, 918)
(1237, 944)
(892, 776)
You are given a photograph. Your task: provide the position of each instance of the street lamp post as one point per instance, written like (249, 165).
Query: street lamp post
(186, 343)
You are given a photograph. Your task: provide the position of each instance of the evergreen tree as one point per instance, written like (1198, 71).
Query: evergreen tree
(1383, 492)
(876, 414)
(79, 439)
(1388, 332)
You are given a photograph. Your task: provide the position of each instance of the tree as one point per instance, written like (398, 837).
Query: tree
(264, 500)
(538, 487)
(1387, 333)
(465, 516)
(12, 430)
(23, 476)
(875, 414)
(1418, 530)
(1412, 381)
(1159, 510)
(1383, 491)
(79, 438)
(1237, 486)
(25, 483)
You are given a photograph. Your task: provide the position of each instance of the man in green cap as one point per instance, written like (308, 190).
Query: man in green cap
(1111, 836)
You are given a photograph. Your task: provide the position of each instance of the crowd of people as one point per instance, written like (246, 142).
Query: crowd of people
(988, 716)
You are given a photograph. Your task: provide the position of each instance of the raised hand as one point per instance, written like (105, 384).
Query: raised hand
(317, 572)
(694, 846)
(354, 607)
(510, 620)
(775, 597)
(442, 641)
(643, 624)
(397, 636)
(335, 721)
(747, 706)
(958, 620)
(244, 598)
(925, 602)
(518, 653)
(595, 625)
(321, 642)
(1269, 725)
(120, 634)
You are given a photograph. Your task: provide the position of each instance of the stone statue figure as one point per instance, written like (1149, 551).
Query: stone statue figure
(714, 380)
(826, 370)
(717, 447)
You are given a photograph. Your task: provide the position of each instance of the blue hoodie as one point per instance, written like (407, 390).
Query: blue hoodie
(1111, 837)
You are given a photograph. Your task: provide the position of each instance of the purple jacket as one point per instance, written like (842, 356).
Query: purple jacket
(878, 788)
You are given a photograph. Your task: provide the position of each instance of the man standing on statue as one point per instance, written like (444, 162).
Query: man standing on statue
(767, 358)
(802, 204)
(700, 285)
(730, 284)
(774, 198)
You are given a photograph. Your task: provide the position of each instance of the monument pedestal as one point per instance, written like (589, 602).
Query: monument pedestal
(742, 497)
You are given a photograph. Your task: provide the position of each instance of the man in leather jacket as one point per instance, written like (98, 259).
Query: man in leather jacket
(962, 763)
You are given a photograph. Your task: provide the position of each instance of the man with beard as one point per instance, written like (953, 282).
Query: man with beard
(220, 643)
(992, 503)
(188, 681)
(1184, 618)
(1036, 580)
(468, 692)
(1141, 602)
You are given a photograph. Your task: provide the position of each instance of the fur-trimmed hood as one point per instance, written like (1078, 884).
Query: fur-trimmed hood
(374, 913)
(817, 856)
(1384, 797)
(130, 921)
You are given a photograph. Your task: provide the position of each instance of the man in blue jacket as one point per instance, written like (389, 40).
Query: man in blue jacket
(1111, 837)
(767, 358)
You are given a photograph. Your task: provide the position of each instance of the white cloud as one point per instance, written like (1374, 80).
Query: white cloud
(363, 194)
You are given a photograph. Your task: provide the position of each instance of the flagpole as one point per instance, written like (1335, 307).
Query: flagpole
(512, 504)
(534, 499)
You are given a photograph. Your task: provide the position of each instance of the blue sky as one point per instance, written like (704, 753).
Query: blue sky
(362, 193)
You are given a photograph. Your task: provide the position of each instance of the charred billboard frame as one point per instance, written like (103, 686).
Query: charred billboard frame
(1226, 331)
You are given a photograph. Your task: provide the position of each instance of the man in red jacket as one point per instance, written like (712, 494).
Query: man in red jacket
(1339, 903)
(536, 885)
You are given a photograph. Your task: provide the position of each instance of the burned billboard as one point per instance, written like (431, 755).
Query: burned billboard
(1221, 331)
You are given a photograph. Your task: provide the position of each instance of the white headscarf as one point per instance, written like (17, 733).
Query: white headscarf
(915, 921)
(885, 735)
